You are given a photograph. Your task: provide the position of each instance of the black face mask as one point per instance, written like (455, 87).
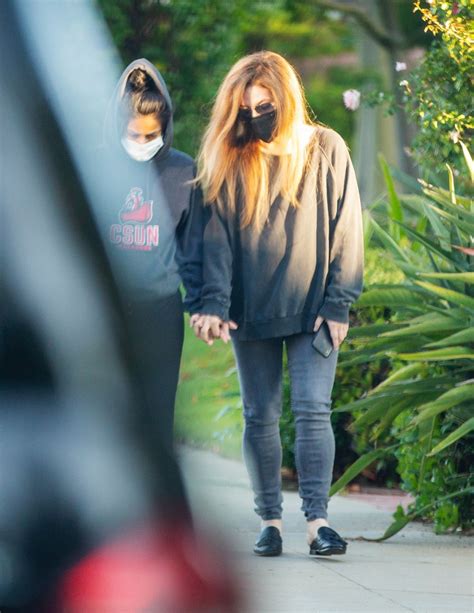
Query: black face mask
(263, 126)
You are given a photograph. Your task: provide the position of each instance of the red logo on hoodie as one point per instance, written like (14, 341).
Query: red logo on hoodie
(135, 208)
(135, 231)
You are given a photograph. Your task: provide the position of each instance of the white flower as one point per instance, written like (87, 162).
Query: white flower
(404, 83)
(399, 66)
(351, 99)
(454, 136)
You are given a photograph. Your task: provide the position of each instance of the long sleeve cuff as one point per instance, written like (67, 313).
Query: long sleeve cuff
(213, 307)
(193, 308)
(335, 311)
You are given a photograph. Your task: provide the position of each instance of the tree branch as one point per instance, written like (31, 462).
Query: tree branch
(379, 34)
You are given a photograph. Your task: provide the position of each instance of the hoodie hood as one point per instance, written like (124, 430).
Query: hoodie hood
(113, 124)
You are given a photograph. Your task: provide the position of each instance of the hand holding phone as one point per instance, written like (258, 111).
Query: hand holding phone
(322, 341)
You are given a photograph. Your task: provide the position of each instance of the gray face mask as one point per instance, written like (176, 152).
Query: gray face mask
(142, 152)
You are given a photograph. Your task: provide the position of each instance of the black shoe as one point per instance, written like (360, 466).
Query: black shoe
(327, 543)
(269, 542)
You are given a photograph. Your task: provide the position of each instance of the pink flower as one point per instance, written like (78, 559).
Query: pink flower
(399, 66)
(455, 8)
(351, 99)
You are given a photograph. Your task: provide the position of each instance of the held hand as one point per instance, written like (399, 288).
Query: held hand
(196, 321)
(210, 327)
(193, 319)
(337, 330)
(226, 327)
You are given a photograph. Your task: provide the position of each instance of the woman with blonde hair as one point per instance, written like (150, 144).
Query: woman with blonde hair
(283, 262)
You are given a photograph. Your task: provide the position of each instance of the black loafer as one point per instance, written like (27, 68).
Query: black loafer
(327, 543)
(269, 542)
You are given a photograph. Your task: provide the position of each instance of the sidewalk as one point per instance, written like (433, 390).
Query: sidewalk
(413, 571)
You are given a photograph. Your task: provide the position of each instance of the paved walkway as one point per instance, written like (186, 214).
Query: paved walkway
(414, 571)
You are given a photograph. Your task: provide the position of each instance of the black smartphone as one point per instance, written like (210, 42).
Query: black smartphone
(322, 340)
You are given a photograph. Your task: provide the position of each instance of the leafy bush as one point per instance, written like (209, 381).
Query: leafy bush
(445, 471)
(438, 93)
(290, 31)
(423, 411)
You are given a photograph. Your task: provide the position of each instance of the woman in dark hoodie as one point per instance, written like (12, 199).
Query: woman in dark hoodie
(283, 259)
(153, 231)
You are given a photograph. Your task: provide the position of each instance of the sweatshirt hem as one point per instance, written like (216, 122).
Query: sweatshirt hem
(273, 328)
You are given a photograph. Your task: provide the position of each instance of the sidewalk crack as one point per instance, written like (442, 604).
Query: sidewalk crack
(368, 589)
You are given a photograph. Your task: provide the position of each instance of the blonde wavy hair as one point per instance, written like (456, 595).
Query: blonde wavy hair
(226, 167)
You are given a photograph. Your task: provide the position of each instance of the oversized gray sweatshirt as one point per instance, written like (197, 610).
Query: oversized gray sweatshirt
(305, 262)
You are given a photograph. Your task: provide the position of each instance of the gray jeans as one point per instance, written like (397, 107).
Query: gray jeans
(260, 366)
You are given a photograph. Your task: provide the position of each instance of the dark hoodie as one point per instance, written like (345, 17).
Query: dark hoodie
(154, 227)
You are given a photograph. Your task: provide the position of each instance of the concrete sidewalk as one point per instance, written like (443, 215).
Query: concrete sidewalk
(413, 571)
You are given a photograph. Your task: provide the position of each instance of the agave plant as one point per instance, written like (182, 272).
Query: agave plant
(430, 340)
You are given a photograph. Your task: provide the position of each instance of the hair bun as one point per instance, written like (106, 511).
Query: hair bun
(138, 80)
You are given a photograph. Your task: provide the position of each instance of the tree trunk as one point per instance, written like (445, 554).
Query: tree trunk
(374, 132)
(389, 17)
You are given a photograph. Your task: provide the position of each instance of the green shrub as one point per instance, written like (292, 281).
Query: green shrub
(438, 95)
(422, 414)
(430, 478)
